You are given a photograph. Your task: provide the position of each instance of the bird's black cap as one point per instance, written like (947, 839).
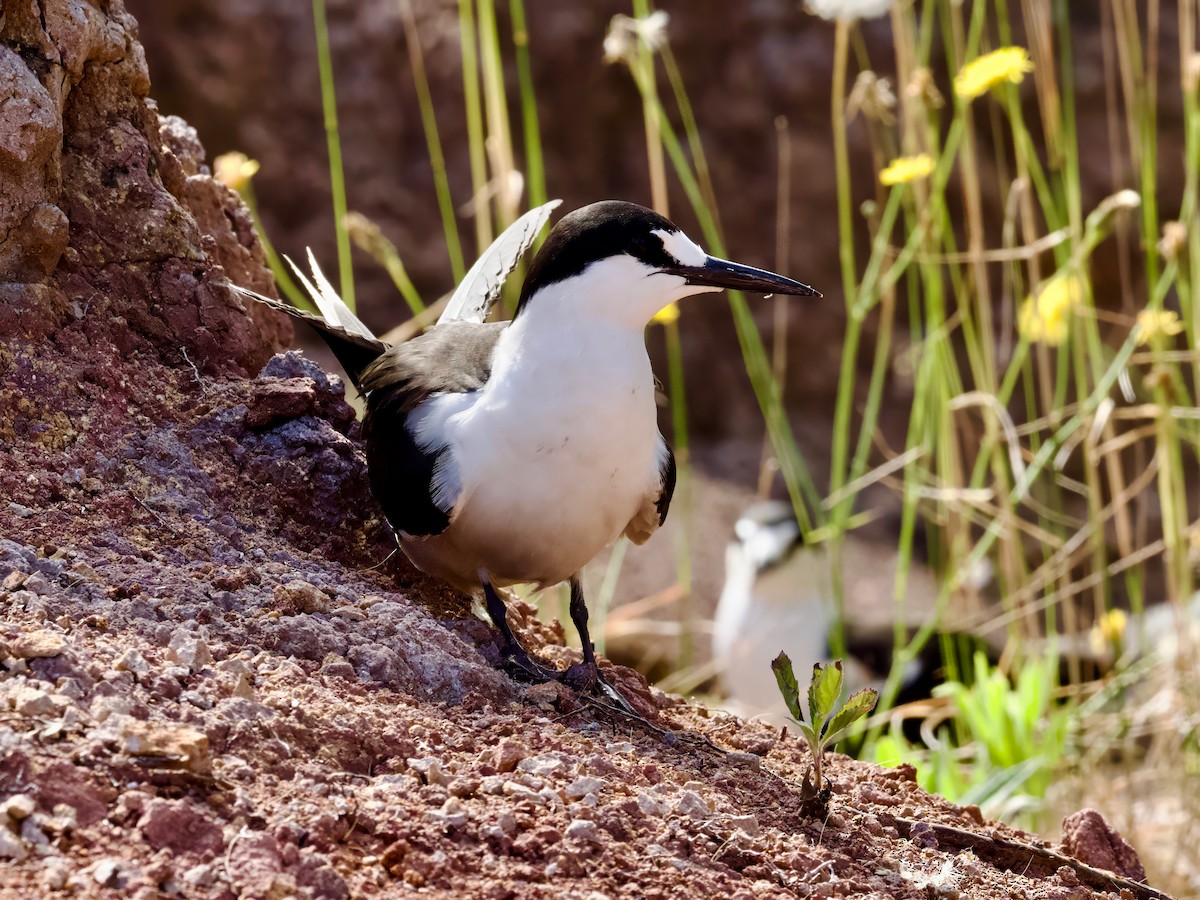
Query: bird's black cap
(592, 233)
(614, 227)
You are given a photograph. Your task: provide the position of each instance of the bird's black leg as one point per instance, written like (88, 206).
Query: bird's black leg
(513, 653)
(579, 615)
(585, 676)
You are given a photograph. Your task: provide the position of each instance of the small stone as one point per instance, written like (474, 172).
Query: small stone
(551, 695)
(530, 781)
(11, 846)
(56, 873)
(235, 666)
(584, 830)
(32, 834)
(129, 804)
(180, 826)
(923, 835)
(1090, 839)
(197, 700)
(451, 815)
(430, 769)
(132, 661)
(167, 744)
(748, 825)
(463, 787)
(581, 787)
(12, 581)
(350, 613)
(200, 876)
(38, 583)
(279, 401)
(651, 806)
(336, 666)
(300, 596)
(492, 784)
(508, 754)
(30, 701)
(520, 792)
(105, 708)
(543, 766)
(508, 823)
(189, 650)
(105, 871)
(38, 645)
(692, 804)
(19, 806)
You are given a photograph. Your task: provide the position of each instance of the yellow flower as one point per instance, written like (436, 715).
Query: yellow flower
(235, 170)
(1151, 322)
(907, 168)
(1110, 630)
(1047, 317)
(982, 74)
(667, 315)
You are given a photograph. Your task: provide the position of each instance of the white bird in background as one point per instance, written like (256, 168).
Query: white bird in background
(778, 595)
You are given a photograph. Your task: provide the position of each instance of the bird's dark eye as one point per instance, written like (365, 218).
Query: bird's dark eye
(644, 245)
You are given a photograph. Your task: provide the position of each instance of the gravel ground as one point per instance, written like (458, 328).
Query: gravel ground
(211, 688)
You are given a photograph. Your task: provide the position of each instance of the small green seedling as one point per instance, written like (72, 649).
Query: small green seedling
(829, 723)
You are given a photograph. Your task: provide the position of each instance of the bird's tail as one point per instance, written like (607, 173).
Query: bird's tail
(350, 340)
(353, 343)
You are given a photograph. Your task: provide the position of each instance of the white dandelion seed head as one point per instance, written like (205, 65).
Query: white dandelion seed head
(849, 10)
(625, 32)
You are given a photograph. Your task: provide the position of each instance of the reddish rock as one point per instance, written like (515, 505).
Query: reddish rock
(1091, 840)
(180, 826)
(508, 754)
(62, 782)
(279, 401)
(256, 866)
(101, 220)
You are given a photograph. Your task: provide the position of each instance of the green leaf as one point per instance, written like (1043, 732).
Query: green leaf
(810, 735)
(860, 704)
(824, 690)
(785, 677)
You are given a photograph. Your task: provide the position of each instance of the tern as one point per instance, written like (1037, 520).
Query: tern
(778, 595)
(514, 452)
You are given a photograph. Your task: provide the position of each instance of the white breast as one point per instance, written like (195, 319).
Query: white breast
(548, 464)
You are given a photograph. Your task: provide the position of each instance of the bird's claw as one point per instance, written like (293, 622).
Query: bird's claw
(586, 678)
(525, 666)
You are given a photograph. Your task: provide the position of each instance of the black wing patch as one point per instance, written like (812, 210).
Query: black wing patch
(667, 470)
(455, 357)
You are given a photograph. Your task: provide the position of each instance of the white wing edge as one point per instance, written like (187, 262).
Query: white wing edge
(531, 223)
(331, 306)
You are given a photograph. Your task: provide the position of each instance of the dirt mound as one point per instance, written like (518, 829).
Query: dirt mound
(210, 687)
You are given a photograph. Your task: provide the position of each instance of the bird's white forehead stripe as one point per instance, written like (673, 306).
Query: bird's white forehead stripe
(682, 247)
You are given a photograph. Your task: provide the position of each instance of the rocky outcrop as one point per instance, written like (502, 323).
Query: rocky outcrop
(109, 220)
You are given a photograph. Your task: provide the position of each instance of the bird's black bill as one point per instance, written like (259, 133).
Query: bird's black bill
(725, 274)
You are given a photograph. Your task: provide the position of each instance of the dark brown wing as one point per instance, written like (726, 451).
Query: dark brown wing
(455, 357)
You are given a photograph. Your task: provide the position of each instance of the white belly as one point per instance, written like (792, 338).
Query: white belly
(549, 464)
